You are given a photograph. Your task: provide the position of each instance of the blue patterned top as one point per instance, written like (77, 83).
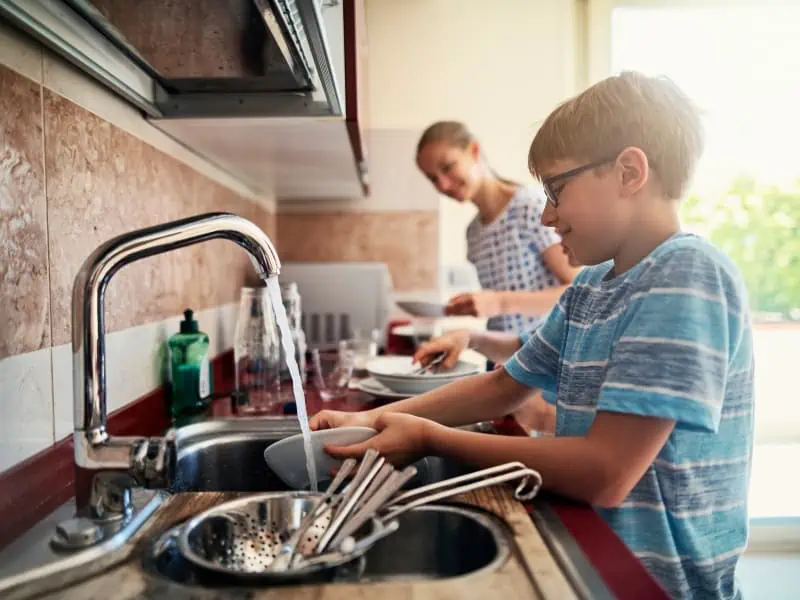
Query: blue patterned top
(670, 338)
(507, 253)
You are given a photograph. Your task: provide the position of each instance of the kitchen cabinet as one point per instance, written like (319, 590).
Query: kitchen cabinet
(272, 91)
(356, 55)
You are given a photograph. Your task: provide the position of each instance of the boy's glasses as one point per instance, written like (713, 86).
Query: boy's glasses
(548, 184)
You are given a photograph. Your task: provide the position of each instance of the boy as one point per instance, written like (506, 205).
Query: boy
(648, 352)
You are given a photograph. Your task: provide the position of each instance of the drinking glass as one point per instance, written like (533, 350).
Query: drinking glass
(332, 372)
(363, 348)
(257, 353)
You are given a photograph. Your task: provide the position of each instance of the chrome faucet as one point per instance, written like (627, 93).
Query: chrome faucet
(106, 466)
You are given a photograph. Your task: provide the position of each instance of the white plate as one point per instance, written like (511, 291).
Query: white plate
(403, 367)
(287, 457)
(395, 372)
(420, 308)
(373, 387)
(413, 331)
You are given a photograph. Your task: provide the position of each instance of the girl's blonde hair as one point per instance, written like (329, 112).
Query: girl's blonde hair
(458, 135)
(454, 133)
(629, 109)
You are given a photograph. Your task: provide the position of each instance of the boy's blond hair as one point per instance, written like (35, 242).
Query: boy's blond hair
(629, 109)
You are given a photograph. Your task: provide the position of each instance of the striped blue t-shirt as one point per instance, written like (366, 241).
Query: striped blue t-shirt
(669, 338)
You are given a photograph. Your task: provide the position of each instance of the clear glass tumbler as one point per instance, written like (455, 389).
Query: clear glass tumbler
(332, 372)
(257, 353)
(363, 346)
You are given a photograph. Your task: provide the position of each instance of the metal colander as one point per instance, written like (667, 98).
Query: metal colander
(243, 537)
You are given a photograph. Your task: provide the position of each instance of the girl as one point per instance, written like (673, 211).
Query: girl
(521, 265)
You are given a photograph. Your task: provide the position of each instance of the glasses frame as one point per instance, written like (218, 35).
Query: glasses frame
(547, 183)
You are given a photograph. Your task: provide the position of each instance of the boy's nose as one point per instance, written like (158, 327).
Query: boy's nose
(549, 215)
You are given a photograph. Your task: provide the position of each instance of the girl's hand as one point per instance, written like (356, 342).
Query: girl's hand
(402, 439)
(486, 303)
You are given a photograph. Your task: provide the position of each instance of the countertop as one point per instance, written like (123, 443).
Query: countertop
(558, 543)
(530, 572)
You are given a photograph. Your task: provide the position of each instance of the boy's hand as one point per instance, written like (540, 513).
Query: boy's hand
(331, 419)
(402, 439)
(486, 303)
(452, 344)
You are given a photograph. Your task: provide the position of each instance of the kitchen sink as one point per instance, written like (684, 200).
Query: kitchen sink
(433, 542)
(228, 456)
(437, 542)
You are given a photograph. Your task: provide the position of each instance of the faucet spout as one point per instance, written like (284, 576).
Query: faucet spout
(95, 450)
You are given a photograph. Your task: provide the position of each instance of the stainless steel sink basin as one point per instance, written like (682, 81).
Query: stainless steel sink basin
(433, 542)
(437, 542)
(228, 456)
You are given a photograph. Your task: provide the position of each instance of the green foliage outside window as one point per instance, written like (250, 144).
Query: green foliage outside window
(758, 227)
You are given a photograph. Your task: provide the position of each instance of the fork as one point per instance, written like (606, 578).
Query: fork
(425, 368)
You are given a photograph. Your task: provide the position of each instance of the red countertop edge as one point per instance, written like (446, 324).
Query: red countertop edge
(38, 485)
(624, 575)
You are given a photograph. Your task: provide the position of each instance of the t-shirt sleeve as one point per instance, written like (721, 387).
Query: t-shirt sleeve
(538, 237)
(535, 364)
(673, 351)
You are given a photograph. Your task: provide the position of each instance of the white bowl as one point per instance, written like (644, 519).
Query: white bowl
(419, 308)
(396, 373)
(287, 457)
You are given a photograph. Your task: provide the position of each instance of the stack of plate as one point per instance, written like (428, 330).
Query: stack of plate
(397, 373)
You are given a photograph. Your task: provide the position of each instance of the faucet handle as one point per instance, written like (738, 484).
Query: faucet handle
(153, 461)
(166, 455)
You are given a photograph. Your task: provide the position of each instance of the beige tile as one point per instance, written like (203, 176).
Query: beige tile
(68, 81)
(26, 410)
(24, 317)
(103, 182)
(406, 241)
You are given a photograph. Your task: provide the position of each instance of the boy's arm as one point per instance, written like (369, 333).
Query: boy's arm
(497, 346)
(494, 394)
(469, 400)
(477, 398)
(600, 468)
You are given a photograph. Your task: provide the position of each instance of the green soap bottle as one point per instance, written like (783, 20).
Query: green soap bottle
(190, 369)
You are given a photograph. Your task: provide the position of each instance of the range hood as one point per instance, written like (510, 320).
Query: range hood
(196, 58)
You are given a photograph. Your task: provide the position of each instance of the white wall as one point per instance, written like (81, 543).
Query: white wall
(499, 66)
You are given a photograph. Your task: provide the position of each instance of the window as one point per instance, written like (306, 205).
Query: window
(741, 63)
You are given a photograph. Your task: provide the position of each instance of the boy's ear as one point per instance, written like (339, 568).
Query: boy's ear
(634, 170)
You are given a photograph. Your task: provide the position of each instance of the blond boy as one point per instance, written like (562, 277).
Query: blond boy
(648, 352)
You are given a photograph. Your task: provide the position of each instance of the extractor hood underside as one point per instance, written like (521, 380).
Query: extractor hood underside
(195, 58)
